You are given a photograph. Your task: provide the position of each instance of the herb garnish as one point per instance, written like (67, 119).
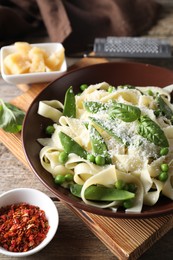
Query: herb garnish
(11, 117)
(152, 131)
(126, 113)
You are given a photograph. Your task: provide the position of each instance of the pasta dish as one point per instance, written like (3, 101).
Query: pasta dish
(112, 147)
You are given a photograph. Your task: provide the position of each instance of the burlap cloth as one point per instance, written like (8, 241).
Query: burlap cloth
(76, 23)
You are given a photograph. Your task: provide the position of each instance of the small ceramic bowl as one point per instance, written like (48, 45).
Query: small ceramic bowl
(36, 198)
(36, 77)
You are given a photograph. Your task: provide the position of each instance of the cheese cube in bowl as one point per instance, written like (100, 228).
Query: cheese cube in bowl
(32, 63)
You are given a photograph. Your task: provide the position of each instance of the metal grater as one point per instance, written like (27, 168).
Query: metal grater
(132, 47)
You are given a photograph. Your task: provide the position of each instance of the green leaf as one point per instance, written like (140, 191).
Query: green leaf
(126, 113)
(152, 132)
(11, 117)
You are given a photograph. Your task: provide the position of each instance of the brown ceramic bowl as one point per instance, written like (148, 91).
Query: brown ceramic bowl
(115, 73)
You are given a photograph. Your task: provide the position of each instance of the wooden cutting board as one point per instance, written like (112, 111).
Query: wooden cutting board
(126, 238)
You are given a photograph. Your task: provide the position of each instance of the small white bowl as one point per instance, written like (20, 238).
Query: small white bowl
(36, 198)
(29, 78)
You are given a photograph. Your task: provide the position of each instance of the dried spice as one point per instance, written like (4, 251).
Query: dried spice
(22, 227)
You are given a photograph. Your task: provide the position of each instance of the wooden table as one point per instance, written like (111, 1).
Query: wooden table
(73, 239)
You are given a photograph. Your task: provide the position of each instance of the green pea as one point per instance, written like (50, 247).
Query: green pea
(50, 130)
(59, 179)
(83, 87)
(150, 92)
(131, 187)
(157, 112)
(91, 157)
(164, 151)
(164, 167)
(120, 184)
(100, 160)
(111, 89)
(69, 177)
(163, 176)
(128, 203)
(63, 157)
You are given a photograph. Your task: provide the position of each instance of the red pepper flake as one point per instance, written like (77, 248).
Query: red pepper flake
(22, 227)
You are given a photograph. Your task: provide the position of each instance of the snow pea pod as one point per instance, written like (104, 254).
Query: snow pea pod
(106, 126)
(70, 146)
(101, 193)
(98, 144)
(165, 109)
(69, 103)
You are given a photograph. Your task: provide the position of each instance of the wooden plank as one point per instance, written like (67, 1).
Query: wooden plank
(126, 238)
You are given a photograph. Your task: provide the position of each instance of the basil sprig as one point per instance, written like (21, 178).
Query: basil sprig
(126, 113)
(148, 129)
(11, 117)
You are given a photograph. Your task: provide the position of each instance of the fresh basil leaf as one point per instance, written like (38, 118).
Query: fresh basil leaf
(164, 108)
(11, 117)
(126, 113)
(152, 131)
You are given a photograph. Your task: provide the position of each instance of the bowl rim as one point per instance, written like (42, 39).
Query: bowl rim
(71, 201)
(47, 239)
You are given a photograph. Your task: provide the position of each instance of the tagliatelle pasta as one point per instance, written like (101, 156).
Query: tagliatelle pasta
(120, 134)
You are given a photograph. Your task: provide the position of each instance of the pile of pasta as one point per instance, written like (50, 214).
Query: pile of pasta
(138, 162)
